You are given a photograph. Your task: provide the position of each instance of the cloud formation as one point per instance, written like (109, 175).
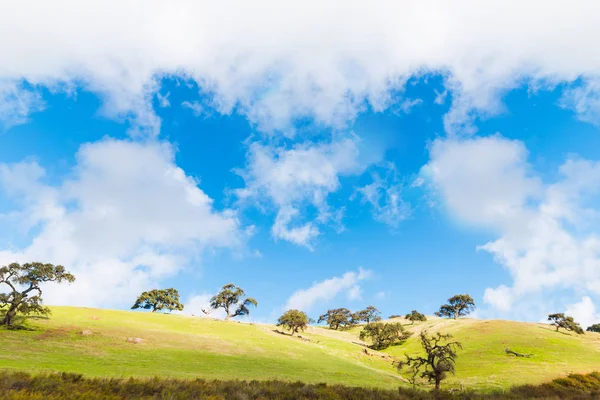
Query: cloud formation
(546, 232)
(276, 62)
(328, 290)
(294, 178)
(584, 312)
(125, 218)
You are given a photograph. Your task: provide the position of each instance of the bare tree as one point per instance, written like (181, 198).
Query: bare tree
(440, 359)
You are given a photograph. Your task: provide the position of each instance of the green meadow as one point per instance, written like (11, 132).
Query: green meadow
(176, 346)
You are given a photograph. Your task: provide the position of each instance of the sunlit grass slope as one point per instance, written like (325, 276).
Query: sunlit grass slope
(186, 347)
(483, 363)
(191, 347)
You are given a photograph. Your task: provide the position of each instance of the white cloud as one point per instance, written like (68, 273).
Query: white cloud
(327, 290)
(407, 105)
(547, 238)
(298, 59)
(584, 312)
(163, 100)
(385, 197)
(585, 101)
(354, 293)
(197, 108)
(485, 181)
(17, 103)
(125, 218)
(301, 176)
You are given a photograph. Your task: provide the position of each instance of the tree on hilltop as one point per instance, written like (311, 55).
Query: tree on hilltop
(369, 314)
(458, 306)
(594, 328)
(337, 318)
(293, 320)
(25, 295)
(561, 320)
(414, 315)
(233, 300)
(159, 299)
(439, 361)
(384, 335)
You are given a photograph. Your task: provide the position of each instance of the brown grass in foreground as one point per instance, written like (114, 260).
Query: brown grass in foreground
(21, 385)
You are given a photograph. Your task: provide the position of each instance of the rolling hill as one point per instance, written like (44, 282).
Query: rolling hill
(190, 347)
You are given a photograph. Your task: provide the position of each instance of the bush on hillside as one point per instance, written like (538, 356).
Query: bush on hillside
(594, 328)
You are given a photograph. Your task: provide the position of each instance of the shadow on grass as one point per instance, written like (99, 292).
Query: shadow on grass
(20, 323)
(555, 331)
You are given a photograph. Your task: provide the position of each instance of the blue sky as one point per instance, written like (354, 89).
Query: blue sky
(368, 165)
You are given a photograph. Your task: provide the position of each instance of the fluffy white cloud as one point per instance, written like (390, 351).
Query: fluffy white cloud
(298, 177)
(125, 218)
(584, 312)
(275, 62)
(327, 290)
(547, 237)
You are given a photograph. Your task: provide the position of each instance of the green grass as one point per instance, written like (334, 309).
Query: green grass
(188, 347)
(483, 364)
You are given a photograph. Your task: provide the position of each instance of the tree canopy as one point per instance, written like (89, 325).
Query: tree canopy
(293, 320)
(25, 295)
(233, 300)
(337, 318)
(369, 314)
(594, 328)
(458, 306)
(159, 299)
(561, 320)
(384, 335)
(414, 315)
(440, 358)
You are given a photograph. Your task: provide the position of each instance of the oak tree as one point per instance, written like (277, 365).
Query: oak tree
(458, 306)
(233, 300)
(369, 314)
(561, 320)
(158, 299)
(24, 293)
(414, 315)
(384, 335)
(337, 318)
(439, 360)
(293, 320)
(594, 328)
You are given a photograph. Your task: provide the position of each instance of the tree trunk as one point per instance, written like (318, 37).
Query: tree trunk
(11, 313)
(455, 316)
(437, 382)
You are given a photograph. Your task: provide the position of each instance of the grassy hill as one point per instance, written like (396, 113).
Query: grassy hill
(188, 347)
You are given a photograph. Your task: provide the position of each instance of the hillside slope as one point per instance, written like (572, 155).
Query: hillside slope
(189, 347)
(483, 363)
